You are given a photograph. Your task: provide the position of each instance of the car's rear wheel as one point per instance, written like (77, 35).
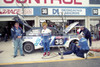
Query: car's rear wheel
(28, 47)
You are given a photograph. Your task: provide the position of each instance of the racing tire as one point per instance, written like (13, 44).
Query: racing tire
(70, 45)
(28, 47)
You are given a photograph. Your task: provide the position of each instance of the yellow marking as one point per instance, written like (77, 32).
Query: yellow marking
(48, 61)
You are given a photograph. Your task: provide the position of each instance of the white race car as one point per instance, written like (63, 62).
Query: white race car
(32, 38)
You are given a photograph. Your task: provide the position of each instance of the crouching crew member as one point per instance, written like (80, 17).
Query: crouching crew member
(46, 35)
(81, 49)
(17, 32)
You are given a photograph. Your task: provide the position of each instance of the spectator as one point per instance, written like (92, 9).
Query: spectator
(17, 32)
(87, 34)
(80, 50)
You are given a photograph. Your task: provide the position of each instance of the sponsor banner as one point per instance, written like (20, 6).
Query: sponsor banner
(15, 11)
(63, 11)
(44, 2)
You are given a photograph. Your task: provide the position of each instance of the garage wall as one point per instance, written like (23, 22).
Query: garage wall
(59, 18)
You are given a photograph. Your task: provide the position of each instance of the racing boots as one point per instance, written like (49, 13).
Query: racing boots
(44, 54)
(48, 53)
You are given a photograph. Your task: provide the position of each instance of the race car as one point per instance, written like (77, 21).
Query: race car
(32, 39)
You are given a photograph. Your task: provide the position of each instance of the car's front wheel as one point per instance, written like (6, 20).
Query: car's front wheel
(71, 44)
(28, 47)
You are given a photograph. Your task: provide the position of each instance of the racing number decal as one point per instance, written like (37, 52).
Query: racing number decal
(59, 42)
(44, 11)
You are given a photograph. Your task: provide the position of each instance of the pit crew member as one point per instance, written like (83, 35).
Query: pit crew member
(80, 50)
(17, 32)
(45, 35)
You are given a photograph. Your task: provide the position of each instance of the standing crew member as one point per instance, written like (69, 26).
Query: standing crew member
(17, 32)
(46, 34)
(98, 27)
(87, 34)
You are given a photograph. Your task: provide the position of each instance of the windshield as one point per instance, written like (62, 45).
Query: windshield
(37, 32)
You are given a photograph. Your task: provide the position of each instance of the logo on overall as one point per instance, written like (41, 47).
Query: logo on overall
(38, 41)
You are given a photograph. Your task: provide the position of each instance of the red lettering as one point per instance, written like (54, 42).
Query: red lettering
(10, 11)
(6, 1)
(29, 1)
(45, 1)
(17, 11)
(68, 2)
(4, 11)
(56, 0)
(37, 1)
(0, 12)
(77, 2)
(18, 1)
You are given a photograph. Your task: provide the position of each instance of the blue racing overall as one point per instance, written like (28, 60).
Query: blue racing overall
(17, 41)
(46, 35)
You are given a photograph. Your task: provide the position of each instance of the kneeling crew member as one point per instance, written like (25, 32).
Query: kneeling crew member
(81, 49)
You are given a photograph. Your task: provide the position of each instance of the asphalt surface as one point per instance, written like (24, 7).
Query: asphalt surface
(76, 63)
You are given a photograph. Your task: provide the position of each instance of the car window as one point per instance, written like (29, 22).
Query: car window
(55, 32)
(34, 32)
(37, 32)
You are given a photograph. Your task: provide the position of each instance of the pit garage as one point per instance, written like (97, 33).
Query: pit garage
(9, 23)
(62, 23)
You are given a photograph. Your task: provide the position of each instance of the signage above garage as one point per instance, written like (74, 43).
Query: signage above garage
(15, 11)
(63, 11)
(44, 2)
(48, 8)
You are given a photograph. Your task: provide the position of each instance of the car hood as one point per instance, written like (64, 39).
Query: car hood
(20, 19)
(70, 27)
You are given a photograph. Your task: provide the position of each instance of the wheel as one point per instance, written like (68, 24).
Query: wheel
(70, 45)
(28, 47)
